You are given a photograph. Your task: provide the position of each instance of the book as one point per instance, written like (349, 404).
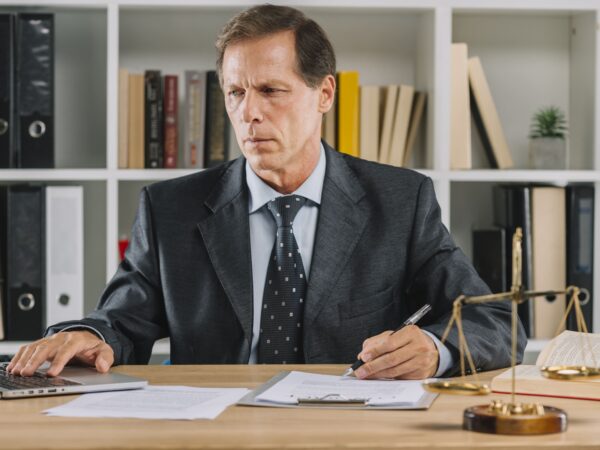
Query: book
(123, 118)
(549, 254)
(347, 119)
(565, 349)
(194, 119)
(389, 112)
(136, 121)
(153, 123)
(171, 122)
(369, 122)
(486, 118)
(460, 114)
(416, 117)
(400, 127)
(580, 248)
(216, 138)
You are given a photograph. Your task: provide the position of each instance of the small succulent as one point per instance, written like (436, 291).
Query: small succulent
(548, 122)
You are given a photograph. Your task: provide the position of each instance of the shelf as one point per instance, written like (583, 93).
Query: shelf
(53, 174)
(152, 174)
(525, 176)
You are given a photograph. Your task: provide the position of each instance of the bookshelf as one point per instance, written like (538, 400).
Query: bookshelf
(534, 54)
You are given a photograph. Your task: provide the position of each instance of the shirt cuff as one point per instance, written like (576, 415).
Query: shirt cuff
(445, 357)
(87, 327)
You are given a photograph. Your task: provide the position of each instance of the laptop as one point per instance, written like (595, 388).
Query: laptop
(72, 380)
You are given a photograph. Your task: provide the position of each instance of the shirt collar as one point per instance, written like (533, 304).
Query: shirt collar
(261, 192)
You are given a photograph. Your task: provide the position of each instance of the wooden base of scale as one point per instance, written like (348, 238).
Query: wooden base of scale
(485, 419)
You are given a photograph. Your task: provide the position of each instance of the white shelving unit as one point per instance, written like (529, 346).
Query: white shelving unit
(534, 54)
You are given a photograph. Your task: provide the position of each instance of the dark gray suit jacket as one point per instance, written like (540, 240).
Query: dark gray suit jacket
(380, 253)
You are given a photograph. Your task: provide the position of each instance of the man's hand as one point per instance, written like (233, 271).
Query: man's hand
(409, 354)
(60, 348)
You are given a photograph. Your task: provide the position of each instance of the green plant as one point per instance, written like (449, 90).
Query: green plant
(548, 122)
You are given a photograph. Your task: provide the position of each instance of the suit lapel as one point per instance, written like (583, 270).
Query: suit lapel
(340, 225)
(226, 235)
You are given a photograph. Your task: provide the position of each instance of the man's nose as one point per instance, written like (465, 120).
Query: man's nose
(252, 108)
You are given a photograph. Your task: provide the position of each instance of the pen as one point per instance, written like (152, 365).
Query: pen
(410, 321)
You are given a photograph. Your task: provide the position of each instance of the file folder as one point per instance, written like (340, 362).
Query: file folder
(64, 254)
(7, 125)
(25, 263)
(35, 90)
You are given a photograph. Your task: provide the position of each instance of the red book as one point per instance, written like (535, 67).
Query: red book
(171, 121)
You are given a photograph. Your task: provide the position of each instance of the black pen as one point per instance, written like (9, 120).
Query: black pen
(410, 321)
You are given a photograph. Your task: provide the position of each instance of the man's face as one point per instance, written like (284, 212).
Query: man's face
(275, 115)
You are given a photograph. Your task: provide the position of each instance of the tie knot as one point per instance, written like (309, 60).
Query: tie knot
(284, 209)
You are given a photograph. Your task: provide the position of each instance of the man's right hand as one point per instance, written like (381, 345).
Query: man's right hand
(61, 348)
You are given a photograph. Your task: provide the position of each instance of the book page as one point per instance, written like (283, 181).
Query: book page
(571, 348)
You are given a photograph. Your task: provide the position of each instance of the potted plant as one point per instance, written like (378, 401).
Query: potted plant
(548, 142)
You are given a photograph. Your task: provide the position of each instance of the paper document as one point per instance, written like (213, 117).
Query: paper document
(153, 402)
(309, 386)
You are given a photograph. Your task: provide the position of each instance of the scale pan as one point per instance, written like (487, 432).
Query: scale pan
(456, 387)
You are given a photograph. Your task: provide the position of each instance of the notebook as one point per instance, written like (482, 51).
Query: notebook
(72, 380)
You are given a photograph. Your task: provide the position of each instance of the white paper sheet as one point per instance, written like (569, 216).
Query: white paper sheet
(153, 402)
(314, 386)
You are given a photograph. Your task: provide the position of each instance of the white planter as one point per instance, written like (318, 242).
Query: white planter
(548, 153)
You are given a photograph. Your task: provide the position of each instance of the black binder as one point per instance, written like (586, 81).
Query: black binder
(25, 262)
(7, 124)
(489, 257)
(34, 77)
(512, 209)
(580, 247)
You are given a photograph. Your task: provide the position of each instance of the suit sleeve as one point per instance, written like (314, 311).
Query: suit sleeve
(130, 315)
(438, 273)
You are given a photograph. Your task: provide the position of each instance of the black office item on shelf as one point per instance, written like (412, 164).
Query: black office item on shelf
(580, 247)
(7, 124)
(153, 120)
(216, 137)
(2, 262)
(25, 262)
(512, 209)
(489, 257)
(34, 78)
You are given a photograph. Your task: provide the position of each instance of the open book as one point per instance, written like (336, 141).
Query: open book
(565, 349)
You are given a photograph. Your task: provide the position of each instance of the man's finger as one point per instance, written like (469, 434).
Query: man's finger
(15, 359)
(62, 357)
(384, 362)
(390, 342)
(105, 358)
(20, 364)
(39, 355)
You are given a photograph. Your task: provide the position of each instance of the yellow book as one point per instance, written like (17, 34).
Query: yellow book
(348, 107)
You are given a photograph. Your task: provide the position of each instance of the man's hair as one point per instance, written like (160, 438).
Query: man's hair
(315, 58)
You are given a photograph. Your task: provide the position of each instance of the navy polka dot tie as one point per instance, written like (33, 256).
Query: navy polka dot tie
(285, 289)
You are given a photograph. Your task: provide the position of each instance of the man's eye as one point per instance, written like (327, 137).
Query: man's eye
(270, 90)
(235, 93)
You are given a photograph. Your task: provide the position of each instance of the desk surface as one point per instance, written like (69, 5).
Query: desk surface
(22, 426)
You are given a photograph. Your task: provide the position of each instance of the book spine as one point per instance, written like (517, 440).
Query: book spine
(348, 113)
(194, 120)
(123, 118)
(153, 150)
(171, 106)
(216, 137)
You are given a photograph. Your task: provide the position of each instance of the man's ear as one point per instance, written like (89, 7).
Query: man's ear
(326, 93)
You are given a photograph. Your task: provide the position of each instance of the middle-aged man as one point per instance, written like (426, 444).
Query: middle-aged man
(294, 253)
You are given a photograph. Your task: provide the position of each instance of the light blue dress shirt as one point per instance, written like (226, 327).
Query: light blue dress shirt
(262, 238)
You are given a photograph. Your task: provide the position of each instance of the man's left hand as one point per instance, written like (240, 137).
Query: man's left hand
(409, 354)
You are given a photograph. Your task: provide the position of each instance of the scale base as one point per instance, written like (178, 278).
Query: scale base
(518, 419)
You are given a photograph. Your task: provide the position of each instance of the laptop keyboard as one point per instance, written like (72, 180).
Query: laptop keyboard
(37, 380)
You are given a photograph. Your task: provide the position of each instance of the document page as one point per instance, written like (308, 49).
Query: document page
(571, 348)
(153, 402)
(301, 385)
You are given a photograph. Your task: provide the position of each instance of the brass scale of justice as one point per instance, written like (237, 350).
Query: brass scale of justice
(512, 417)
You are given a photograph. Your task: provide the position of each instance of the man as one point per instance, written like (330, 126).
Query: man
(294, 253)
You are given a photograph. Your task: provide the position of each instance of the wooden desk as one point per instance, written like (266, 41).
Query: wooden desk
(22, 426)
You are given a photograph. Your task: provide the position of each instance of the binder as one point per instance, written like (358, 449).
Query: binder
(512, 209)
(489, 258)
(25, 263)
(34, 77)
(7, 125)
(580, 248)
(64, 254)
(2, 260)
